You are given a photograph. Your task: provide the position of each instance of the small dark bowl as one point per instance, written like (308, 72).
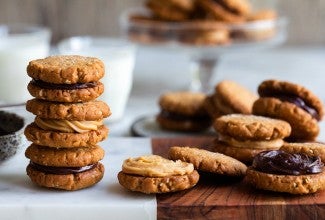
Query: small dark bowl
(11, 134)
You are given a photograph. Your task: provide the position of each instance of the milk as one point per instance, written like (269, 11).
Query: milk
(16, 50)
(118, 57)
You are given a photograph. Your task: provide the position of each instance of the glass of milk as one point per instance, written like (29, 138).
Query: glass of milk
(118, 56)
(19, 44)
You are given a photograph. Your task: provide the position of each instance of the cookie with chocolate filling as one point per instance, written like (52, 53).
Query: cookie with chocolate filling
(66, 78)
(292, 103)
(280, 171)
(230, 97)
(313, 149)
(243, 136)
(233, 11)
(208, 161)
(65, 178)
(183, 111)
(155, 174)
(171, 10)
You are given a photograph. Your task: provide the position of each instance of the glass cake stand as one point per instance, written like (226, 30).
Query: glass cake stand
(203, 42)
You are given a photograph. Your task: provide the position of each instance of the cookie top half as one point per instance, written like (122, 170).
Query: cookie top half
(251, 127)
(275, 88)
(183, 103)
(66, 69)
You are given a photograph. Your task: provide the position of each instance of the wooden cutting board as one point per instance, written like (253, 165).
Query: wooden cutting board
(217, 197)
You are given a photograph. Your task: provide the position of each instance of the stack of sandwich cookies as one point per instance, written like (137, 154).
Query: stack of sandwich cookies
(244, 136)
(292, 103)
(68, 123)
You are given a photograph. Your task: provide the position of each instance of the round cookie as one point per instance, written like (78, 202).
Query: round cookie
(66, 69)
(251, 127)
(73, 181)
(225, 10)
(207, 161)
(311, 149)
(183, 103)
(155, 174)
(302, 184)
(57, 94)
(292, 103)
(245, 155)
(165, 10)
(64, 157)
(183, 111)
(66, 140)
(86, 111)
(262, 15)
(230, 97)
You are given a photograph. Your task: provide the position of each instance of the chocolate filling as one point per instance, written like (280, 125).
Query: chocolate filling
(61, 170)
(46, 85)
(298, 102)
(179, 117)
(283, 163)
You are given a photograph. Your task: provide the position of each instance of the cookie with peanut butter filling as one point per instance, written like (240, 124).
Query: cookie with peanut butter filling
(293, 103)
(243, 136)
(86, 111)
(208, 161)
(155, 174)
(56, 138)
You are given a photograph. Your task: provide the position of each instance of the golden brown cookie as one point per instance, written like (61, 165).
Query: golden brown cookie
(57, 94)
(244, 136)
(311, 149)
(207, 161)
(64, 157)
(301, 184)
(243, 154)
(70, 181)
(86, 111)
(62, 139)
(292, 103)
(169, 11)
(183, 111)
(226, 10)
(262, 15)
(230, 97)
(251, 127)
(155, 174)
(66, 69)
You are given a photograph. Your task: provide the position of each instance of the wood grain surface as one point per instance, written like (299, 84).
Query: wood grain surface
(217, 197)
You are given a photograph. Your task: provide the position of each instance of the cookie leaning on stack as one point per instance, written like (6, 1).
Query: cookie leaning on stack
(68, 123)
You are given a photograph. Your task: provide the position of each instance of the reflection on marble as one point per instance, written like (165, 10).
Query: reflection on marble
(21, 199)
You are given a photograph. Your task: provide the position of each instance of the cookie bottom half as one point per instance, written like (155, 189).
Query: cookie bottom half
(62, 139)
(301, 184)
(158, 184)
(68, 182)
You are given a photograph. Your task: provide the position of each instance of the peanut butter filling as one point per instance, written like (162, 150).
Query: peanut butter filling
(67, 126)
(156, 166)
(267, 144)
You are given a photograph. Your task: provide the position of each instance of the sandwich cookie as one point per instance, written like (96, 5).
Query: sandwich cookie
(62, 168)
(207, 161)
(292, 103)
(155, 174)
(66, 78)
(243, 136)
(281, 171)
(230, 97)
(183, 111)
